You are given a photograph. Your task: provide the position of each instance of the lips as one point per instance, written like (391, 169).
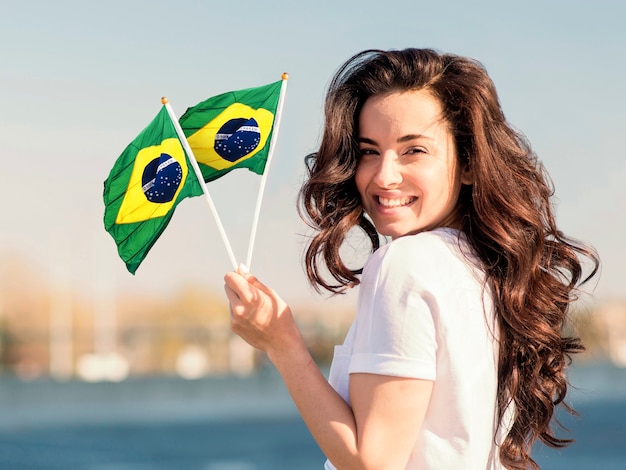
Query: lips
(395, 202)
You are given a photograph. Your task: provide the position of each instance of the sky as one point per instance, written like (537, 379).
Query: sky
(79, 80)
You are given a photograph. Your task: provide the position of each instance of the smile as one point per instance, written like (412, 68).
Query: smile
(396, 202)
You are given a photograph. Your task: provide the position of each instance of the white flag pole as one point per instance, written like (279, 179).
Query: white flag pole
(196, 168)
(255, 220)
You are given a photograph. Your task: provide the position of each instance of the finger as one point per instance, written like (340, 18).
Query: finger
(232, 296)
(240, 286)
(237, 308)
(254, 282)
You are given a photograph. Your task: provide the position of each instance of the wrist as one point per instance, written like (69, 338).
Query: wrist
(291, 350)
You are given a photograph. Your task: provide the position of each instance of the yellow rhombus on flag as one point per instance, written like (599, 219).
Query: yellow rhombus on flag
(232, 130)
(144, 187)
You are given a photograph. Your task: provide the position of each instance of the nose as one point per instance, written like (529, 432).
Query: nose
(388, 172)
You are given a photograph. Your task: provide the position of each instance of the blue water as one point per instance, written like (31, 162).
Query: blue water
(236, 424)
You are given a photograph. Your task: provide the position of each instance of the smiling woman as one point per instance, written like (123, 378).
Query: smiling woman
(456, 357)
(408, 175)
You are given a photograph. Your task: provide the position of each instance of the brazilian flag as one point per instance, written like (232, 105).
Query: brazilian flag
(232, 130)
(146, 183)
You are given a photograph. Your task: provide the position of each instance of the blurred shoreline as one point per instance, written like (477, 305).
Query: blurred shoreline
(46, 402)
(262, 394)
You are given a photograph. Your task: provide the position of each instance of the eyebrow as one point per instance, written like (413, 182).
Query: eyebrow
(404, 138)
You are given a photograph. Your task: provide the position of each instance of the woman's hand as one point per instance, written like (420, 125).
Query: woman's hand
(380, 429)
(258, 314)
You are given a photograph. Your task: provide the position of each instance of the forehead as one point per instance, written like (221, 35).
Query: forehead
(407, 111)
(416, 105)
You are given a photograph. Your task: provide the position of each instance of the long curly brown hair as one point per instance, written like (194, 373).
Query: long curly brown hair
(535, 270)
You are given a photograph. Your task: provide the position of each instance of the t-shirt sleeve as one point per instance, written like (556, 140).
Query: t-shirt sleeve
(396, 328)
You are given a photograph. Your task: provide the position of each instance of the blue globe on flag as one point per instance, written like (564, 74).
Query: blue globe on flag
(161, 179)
(237, 138)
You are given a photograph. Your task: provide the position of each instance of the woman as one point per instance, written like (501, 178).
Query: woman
(456, 357)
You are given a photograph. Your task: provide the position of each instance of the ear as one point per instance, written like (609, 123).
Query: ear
(467, 175)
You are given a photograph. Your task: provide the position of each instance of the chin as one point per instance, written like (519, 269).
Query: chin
(395, 233)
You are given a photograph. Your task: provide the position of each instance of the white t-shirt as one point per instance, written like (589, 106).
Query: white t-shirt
(425, 312)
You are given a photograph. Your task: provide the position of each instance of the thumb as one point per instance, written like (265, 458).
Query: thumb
(254, 282)
(243, 270)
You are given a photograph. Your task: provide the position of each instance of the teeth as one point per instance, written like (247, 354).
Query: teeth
(402, 201)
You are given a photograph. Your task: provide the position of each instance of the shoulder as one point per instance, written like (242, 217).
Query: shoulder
(436, 258)
(427, 249)
(432, 244)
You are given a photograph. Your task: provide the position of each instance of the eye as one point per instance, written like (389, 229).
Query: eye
(415, 151)
(367, 151)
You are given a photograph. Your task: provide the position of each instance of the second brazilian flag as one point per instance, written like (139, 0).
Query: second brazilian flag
(232, 130)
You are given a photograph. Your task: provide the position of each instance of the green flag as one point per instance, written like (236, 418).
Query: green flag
(148, 180)
(232, 130)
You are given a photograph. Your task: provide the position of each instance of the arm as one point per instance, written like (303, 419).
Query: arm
(379, 430)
